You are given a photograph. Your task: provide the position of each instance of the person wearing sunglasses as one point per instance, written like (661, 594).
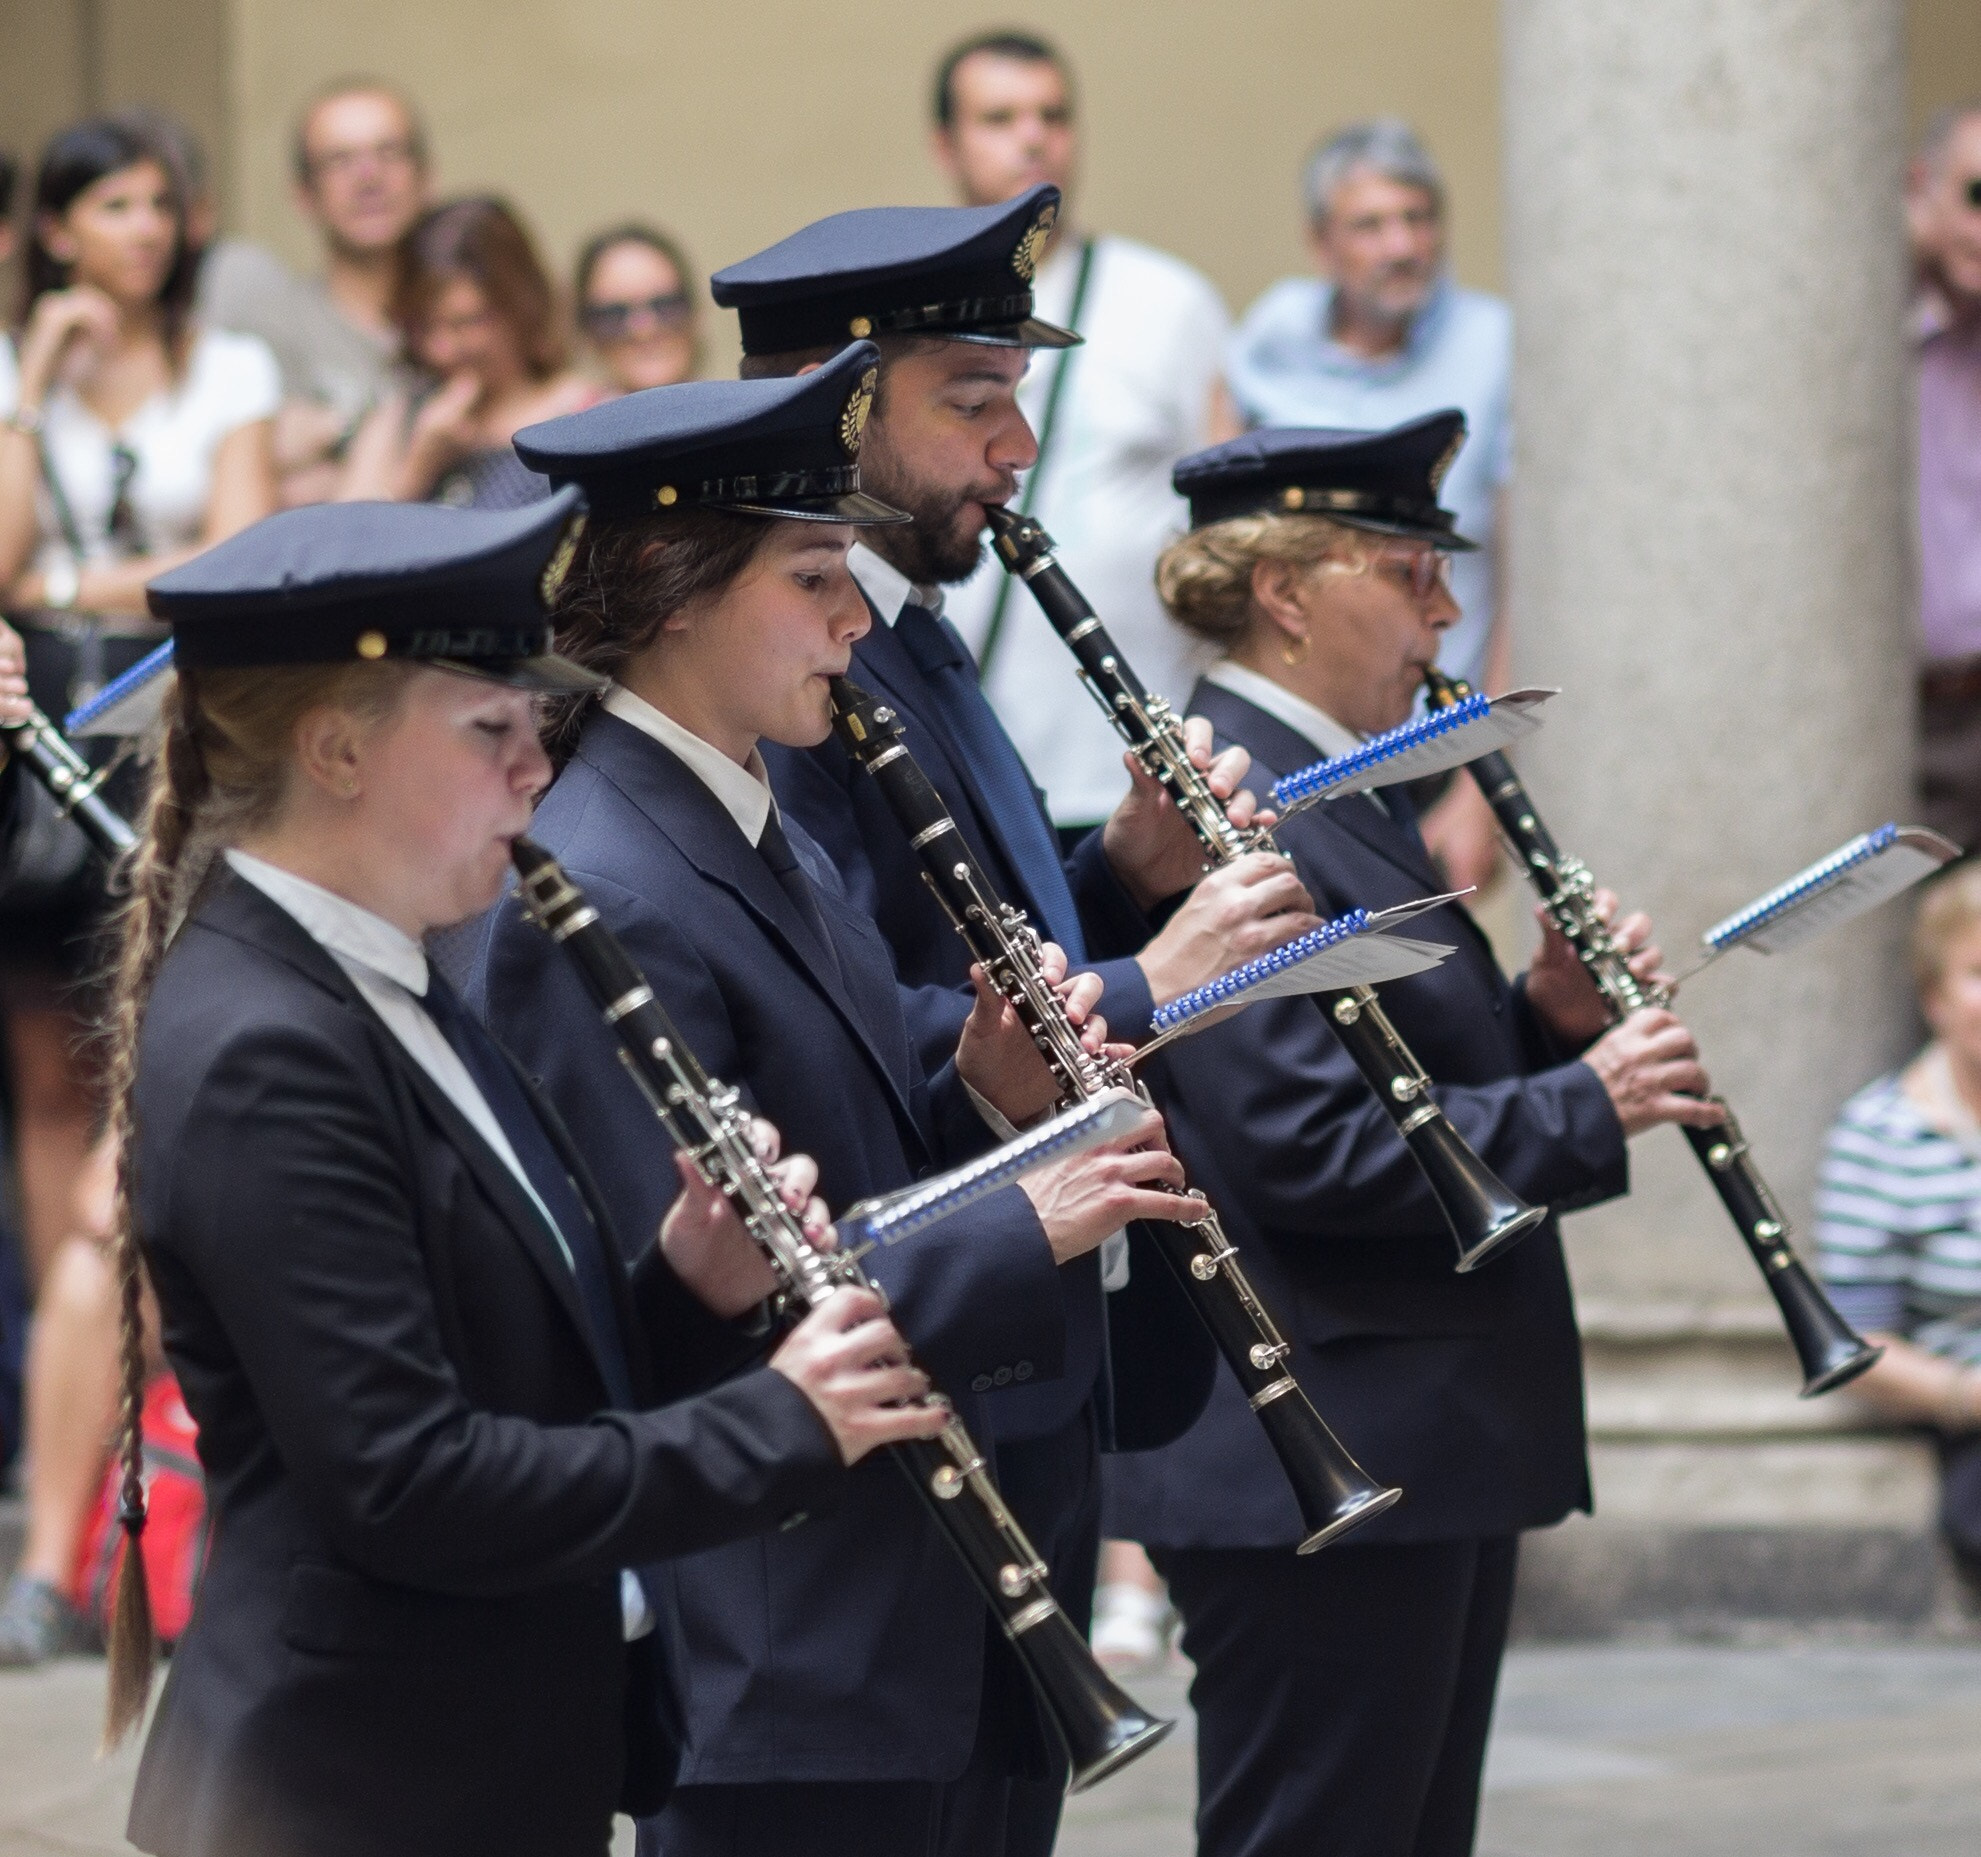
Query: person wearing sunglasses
(1943, 207)
(639, 308)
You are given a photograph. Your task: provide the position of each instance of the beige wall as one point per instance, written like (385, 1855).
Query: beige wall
(734, 125)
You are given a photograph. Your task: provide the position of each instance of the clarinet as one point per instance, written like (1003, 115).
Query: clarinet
(71, 782)
(1102, 1727)
(1333, 1491)
(1484, 1214)
(1830, 1352)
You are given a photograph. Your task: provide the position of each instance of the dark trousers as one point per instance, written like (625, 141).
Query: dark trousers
(1950, 750)
(1006, 1802)
(1342, 1699)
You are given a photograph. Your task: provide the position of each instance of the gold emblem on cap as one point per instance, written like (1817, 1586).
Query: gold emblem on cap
(559, 563)
(666, 495)
(861, 326)
(1444, 464)
(1025, 260)
(1293, 497)
(371, 644)
(853, 416)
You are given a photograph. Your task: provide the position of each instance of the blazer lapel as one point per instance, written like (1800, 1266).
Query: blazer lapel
(243, 911)
(882, 658)
(678, 805)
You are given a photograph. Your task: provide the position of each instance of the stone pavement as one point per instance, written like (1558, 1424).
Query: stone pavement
(1807, 1750)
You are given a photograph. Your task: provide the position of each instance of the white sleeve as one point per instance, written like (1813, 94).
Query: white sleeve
(241, 383)
(10, 377)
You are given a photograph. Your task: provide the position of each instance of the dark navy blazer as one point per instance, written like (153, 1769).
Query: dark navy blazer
(409, 1633)
(850, 1648)
(843, 809)
(1466, 1390)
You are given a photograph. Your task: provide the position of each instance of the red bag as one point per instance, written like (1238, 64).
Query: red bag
(175, 1529)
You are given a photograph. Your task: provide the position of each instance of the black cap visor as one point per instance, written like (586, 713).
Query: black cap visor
(1448, 540)
(547, 674)
(1033, 332)
(853, 506)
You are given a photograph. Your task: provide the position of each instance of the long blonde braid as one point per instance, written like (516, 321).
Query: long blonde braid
(222, 770)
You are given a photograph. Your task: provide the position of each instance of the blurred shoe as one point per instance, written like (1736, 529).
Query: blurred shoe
(1131, 1629)
(36, 1623)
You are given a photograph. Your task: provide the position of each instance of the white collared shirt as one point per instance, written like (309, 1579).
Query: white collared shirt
(885, 584)
(1332, 738)
(742, 790)
(389, 969)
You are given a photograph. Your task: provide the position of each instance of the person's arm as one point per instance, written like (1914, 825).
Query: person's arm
(338, 1338)
(243, 492)
(399, 455)
(1914, 1387)
(1305, 1140)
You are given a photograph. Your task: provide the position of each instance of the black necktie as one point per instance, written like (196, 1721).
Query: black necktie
(976, 734)
(775, 850)
(518, 1119)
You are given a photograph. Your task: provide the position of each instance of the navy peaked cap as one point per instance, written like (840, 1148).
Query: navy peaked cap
(762, 447)
(335, 583)
(1385, 481)
(960, 272)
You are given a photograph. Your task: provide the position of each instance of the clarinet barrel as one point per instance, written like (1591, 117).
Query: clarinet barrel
(72, 783)
(1829, 1350)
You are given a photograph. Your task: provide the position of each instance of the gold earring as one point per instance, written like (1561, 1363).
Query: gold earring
(1296, 657)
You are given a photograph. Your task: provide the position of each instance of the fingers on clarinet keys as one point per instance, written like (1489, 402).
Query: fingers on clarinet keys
(848, 1359)
(1082, 1201)
(1650, 1068)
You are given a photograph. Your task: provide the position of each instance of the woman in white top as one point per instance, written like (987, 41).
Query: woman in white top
(132, 440)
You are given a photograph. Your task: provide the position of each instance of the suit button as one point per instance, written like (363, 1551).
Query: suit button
(1023, 1371)
(981, 1384)
(1002, 1377)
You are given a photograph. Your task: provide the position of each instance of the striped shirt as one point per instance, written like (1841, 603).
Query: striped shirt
(1898, 1223)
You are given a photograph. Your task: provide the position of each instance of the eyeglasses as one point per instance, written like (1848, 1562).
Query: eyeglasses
(394, 154)
(608, 322)
(1422, 570)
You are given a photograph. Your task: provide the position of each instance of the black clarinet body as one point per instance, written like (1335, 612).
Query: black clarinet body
(1485, 1215)
(1101, 1726)
(72, 783)
(1333, 1492)
(1829, 1350)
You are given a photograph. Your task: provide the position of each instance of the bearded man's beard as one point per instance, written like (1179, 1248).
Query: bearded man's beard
(938, 548)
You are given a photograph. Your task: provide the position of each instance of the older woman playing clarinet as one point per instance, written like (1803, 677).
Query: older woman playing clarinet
(1343, 1699)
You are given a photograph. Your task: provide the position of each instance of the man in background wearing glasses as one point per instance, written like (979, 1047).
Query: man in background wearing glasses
(361, 178)
(1943, 208)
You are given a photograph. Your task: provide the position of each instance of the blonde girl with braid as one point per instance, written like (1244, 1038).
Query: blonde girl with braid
(448, 1435)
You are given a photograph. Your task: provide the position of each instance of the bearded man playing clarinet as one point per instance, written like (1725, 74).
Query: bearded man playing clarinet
(1343, 1699)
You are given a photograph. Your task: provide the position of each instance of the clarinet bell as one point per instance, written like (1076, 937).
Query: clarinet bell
(1100, 1725)
(1485, 1216)
(1829, 1350)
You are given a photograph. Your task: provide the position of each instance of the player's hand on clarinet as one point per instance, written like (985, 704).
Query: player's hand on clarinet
(847, 1358)
(1083, 1200)
(1650, 1068)
(1559, 987)
(705, 1243)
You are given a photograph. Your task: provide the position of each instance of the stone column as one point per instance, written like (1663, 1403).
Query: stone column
(1710, 554)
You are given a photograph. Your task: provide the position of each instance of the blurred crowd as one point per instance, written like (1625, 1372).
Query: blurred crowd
(177, 384)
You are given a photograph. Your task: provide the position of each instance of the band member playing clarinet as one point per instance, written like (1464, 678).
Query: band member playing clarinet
(946, 293)
(428, 1391)
(1343, 1700)
(842, 1686)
